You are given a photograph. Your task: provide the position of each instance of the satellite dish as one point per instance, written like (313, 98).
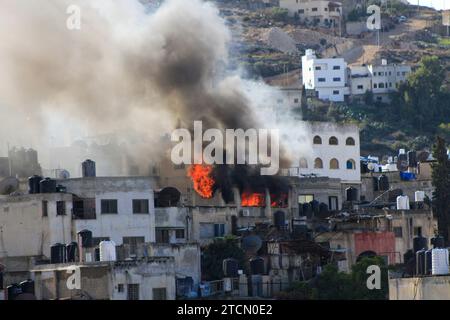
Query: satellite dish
(252, 243)
(9, 185)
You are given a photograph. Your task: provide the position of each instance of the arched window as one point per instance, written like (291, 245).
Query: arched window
(303, 163)
(318, 164)
(351, 165)
(317, 140)
(350, 141)
(333, 141)
(334, 164)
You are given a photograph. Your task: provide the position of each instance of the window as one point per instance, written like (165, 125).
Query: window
(83, 208)
(140, 205)
(296, 100)
(333, 203)
(321, 79)
(206, 230)
(375, 85)
(335, 92)
(305, 198)
(133, 243)
(336, 67)
(318, 68)
(360, 87)
(109, 206)
(219, 230)
(159, 294)
(314, 9)
(336, 79)
(334, 164)
(279, 101)
(398, 232)
(351, 164)
(301, 11)
(350, 141)
(390, 84)
(317, 140)
(120, 288)
(417, 231)
(162, 235)
(318, 164)
(381, 85)
(133, 291)
(45, 208)
(333, 141)
(179, 233)
(303, 163)
(60, 208)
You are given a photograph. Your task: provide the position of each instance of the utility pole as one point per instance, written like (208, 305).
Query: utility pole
(9, 161)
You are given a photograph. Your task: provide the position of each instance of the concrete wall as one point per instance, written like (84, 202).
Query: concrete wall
(24, 231)
(425, 288)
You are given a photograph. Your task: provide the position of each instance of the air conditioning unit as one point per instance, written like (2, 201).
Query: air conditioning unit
(245, 213)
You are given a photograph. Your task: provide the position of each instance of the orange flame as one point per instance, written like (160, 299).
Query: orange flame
(202, 180)
(249, 199)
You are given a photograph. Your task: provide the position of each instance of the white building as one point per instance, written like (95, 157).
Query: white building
(381, 80)
(326, 77)
(335, 152)
(316, 12)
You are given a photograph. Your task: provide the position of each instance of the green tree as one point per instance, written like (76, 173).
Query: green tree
(441, 182)
(214, 254)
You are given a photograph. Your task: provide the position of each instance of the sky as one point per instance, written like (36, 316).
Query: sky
(437, 4)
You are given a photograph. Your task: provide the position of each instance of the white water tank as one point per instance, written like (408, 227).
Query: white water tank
(107, 251)
(402, 203)
(439, 261)
(419, 196)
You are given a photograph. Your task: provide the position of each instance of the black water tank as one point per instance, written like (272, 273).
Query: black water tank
(428, 262)
(47, 185)
(279, 219)
(438, 242)
(323, 208)
(57, 253)
(13, 291)
(71, 252)
(33, 184)
(88, 168)
(419, 243)
(351, 194)
(230, 267)
(315, 206)
(383, 183)
(420, 262)
(307, 210)
(86, 238)
(412, 159)
(257, 265)
(27, 286)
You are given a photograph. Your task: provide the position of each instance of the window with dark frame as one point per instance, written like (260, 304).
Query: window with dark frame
(45, 208)
(179, 233)
(120, 288)
(133, 291)
(140, 206)
(109, 206)
(162, 235)
(60, 208)
(133, 243)
(398, 232)
(159, 294)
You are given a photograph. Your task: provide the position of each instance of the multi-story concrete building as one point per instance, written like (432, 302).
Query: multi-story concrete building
(327, 78)
(381, 80)
(316, 12)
